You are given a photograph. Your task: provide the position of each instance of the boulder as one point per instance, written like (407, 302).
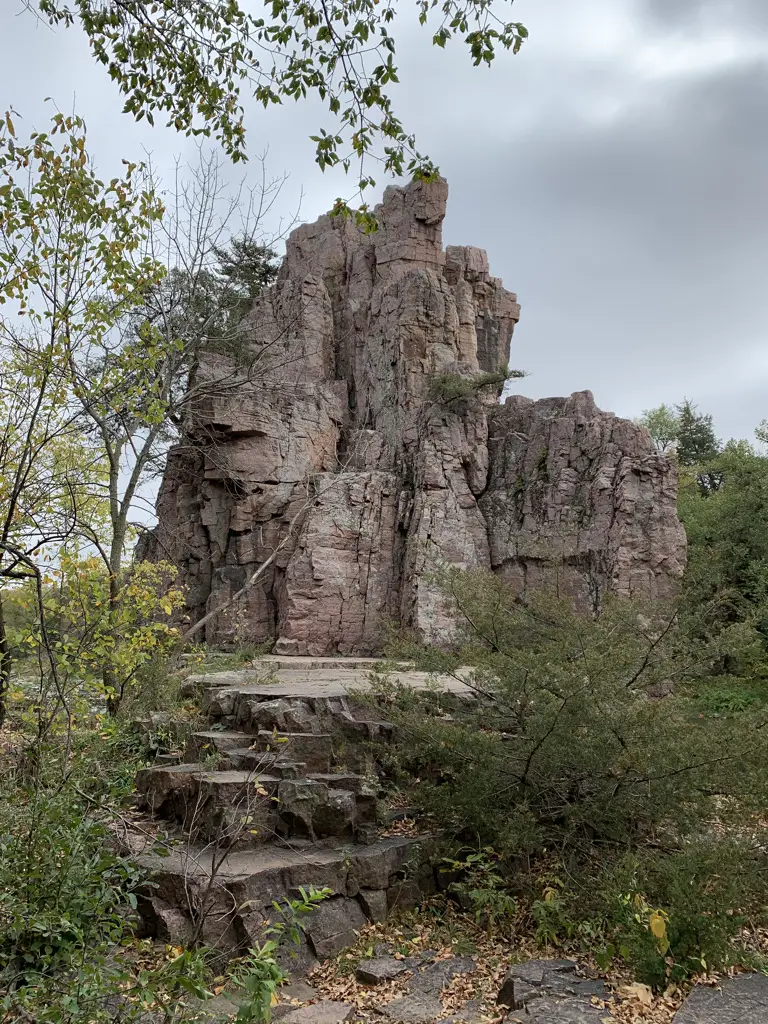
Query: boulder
(334, 925)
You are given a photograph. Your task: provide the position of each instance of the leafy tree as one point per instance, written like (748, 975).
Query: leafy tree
(663, 424)
(726, 586)
(45, 483)
(70, 267)
(192, 60)
(106, 341)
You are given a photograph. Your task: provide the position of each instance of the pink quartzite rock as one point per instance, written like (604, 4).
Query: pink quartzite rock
(327, 422)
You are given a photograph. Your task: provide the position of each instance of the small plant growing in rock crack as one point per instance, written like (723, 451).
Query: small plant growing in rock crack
(259, 974)
(451, 387)
(484, 888)
(210, 758)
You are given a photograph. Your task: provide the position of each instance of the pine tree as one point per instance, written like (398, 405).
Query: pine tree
(696, 440)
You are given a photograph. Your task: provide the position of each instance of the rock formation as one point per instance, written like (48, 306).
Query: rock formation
(338, 438)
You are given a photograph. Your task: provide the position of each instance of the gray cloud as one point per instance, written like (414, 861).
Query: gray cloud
(616, 171)
(725, 13)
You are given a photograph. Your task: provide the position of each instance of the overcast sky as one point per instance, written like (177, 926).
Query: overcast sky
(616, 171)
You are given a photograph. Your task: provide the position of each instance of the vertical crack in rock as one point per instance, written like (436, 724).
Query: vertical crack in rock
(331, 396)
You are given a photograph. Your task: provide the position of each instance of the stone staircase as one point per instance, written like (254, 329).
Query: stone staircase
(278, 791)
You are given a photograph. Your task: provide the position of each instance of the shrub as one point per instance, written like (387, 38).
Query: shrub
(562, 751)
(561, 746)
(677, 914)
(451, 387)
(62, 894)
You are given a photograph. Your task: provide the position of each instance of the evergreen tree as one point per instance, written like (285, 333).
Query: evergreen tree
(696, 440)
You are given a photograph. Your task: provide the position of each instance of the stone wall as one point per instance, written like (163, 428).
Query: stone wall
(327, 422)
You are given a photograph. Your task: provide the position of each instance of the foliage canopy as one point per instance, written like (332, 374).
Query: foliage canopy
(192, 60)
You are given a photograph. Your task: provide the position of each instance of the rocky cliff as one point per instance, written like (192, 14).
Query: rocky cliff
(342, 427)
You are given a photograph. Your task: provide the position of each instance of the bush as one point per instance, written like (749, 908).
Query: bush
(62, 894)
(451, 387)
(564, 759)
(561, 746)
(677, 914)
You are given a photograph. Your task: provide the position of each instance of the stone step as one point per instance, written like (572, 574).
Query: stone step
(344, 780)
(168, 759)
(197, 682)
(251, 709)
(240, 805)
(255, 761)
(233, 786)
(217, 740)
(298, 662)
(309, 684)
(222, 806)
(309, 807)
(273, 670)
(315, 750)
(232, 894)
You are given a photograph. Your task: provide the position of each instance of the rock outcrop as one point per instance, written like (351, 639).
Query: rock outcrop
(338, 449)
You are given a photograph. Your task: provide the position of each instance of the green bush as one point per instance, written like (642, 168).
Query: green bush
(563, 759)
(61, 888)
(677, 914)
(62, 899)
(65, 894)
(452, 387)
(561, 746)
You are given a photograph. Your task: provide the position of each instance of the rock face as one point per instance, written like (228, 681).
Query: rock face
(333, 449)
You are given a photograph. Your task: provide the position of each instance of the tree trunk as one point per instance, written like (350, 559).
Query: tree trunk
(5, 666)
(113, 686)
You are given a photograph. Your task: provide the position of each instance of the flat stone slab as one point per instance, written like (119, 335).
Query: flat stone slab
(437, 976)
(379, 970)
(550, 992)
(414, 1009)
(363, 860)
(561, 1011)
(327, 1012)
(739, 1000)
(312, 681)
(421, 1004)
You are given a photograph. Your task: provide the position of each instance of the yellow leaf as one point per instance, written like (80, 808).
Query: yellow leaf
(274, 1000)
(657, 925)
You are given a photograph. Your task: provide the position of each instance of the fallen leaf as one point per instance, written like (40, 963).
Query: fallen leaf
(642, 993)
